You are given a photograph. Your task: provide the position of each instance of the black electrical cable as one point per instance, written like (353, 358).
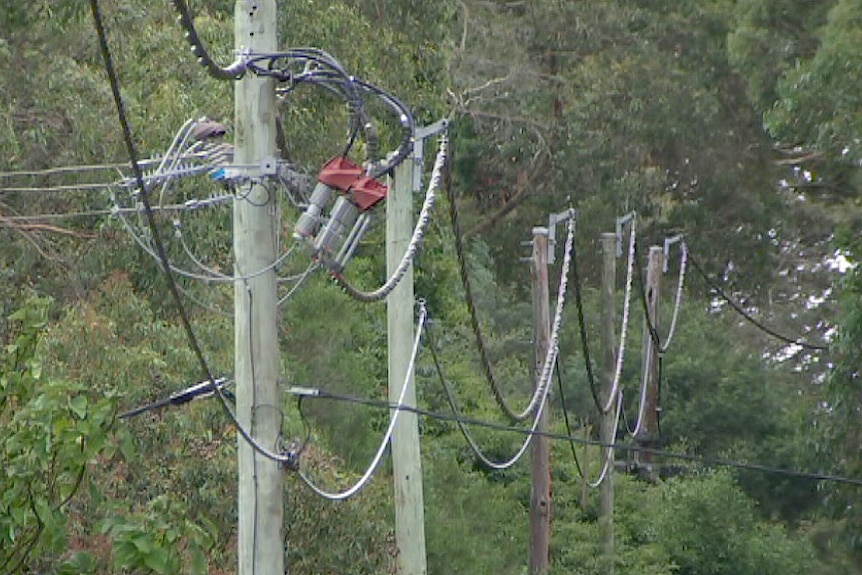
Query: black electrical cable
(566, 418)
(471, 303)
(585, 346)
(739, 309)
(157, 241)
(232, 72)
(627, 447)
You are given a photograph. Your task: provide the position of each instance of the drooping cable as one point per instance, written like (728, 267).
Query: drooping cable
(159, 246)
(609, 458)
(585, 347)
(565, 407)
(465, 431)
(624, 328)
(418, 234)
(747, 316)
(618, 446)
(233, 71)
(393, 418)
(312, 267)
(683, 261)
(467, 285)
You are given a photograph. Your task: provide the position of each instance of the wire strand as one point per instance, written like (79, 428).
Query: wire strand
(624, 328)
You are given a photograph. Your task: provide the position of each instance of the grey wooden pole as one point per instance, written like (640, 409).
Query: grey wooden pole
(406, 456)
(608, 430)
(649, 431)
(540, 495)
(259, 399)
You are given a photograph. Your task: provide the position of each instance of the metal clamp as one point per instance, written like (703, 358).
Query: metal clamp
(667, 243)
(419, 136)
(622, 221)
(553, 221)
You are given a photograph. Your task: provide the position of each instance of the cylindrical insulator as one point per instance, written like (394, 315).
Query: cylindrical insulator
(307, 224)
(340, 221)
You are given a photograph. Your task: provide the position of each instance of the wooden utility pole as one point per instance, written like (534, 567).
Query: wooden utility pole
(608, 424)
(258, 397)
(406, 457)
(540, 495)
(649, 430)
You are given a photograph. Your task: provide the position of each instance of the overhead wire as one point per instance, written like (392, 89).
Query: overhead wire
(538, 402)
(468, 436)
(318, 393)
(565, 408)
(397, 408)
(466, 283)
(747, 316)
(585, 348)
(233, 71)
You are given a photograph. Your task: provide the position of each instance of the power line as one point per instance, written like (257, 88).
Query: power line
(628, 447)
(466, 283)
(748, 317)
(94, 187)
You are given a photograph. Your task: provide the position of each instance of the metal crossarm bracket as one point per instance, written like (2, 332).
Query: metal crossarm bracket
(553, 221)
(267, 167)
(667, 243)
(622, 221)
(419, 137)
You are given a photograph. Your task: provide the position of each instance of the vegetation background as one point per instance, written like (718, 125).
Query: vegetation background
(735, 122)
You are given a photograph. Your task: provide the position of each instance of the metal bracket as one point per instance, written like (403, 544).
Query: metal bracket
(553, 221)
(267, 167)
(621, 221)
(667, 243)
(419, 137)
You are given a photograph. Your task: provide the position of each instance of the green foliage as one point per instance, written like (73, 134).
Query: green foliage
(53, 430)
(156, 540)
(709, 527)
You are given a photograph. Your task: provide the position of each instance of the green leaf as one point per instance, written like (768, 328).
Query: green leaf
(78, 405)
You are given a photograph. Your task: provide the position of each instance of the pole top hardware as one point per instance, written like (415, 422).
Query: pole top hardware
(421, 134)
(679, 238)
(267, 167)
(553, 221)
(622, 221)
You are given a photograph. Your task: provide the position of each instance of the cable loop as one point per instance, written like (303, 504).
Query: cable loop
(393, 417)
(418, 233)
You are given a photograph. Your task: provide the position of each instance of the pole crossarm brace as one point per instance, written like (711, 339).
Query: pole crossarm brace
(553, 221)
(421, 134)
(668, 242)
(621, 222)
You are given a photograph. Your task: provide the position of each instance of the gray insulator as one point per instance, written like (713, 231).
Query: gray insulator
(309, 221)
(343, 216)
